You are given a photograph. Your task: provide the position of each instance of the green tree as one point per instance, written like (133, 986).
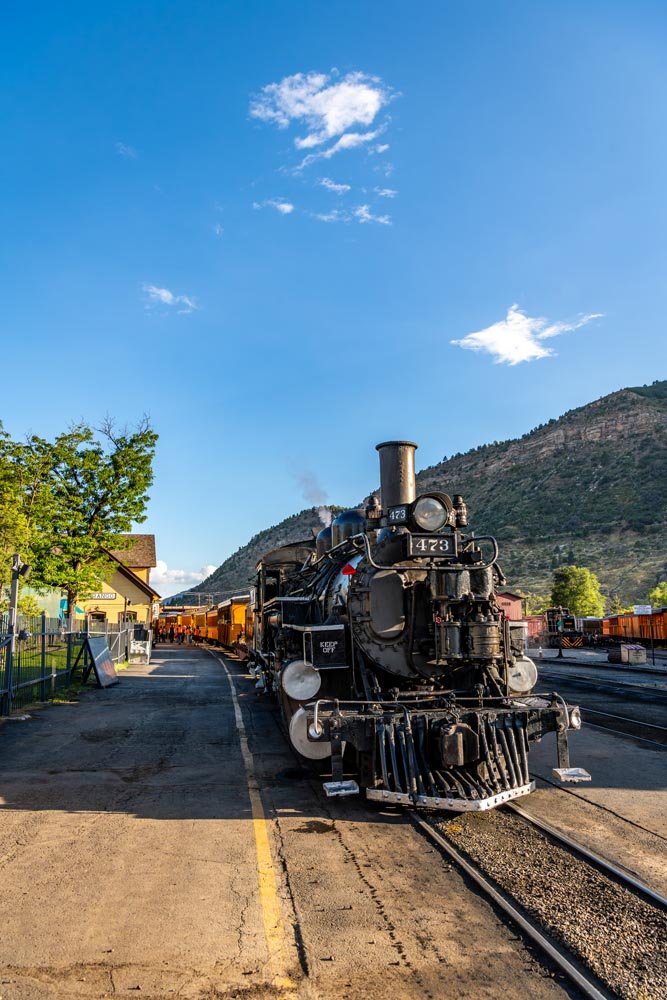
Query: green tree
(578, 589)
(14, 528)
(81, 492)
(535, 604)
(28, 606)
(616, 606)
(658, 596)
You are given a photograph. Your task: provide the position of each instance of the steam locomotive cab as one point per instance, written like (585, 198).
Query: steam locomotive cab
(393, 664)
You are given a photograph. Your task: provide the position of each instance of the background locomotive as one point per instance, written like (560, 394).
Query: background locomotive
(391, 660)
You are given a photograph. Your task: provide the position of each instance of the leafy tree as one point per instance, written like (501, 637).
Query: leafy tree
(28, 605)
(578, 589)
(81, 492)
(616, 606)
(535, 604)
(14, 528)
(658, 596)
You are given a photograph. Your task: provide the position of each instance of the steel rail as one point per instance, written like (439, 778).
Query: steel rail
(590, 856)
(587, 985)
(624, 718)
(621, 732)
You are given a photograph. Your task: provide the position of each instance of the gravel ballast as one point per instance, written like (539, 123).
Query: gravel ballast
(618, 935)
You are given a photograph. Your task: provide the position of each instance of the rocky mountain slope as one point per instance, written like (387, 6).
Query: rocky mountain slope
(589, 488)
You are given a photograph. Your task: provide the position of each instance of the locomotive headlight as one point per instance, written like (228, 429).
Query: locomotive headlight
(575, 717)
(430, 514)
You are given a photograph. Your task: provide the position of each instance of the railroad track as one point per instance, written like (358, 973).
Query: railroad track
(597, 969)
(624, 726)
(623, 876)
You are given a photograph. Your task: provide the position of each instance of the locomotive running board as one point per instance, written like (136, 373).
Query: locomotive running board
(444, 802)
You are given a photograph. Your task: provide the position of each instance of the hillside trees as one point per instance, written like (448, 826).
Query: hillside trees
(577, 588)
(658, 596)
(74, 496)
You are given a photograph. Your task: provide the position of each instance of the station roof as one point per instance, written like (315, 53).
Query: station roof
(139, 552)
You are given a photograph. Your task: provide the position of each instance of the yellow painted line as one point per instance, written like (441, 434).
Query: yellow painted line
(274, 930)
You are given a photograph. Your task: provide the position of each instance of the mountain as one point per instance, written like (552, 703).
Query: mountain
(588, 488)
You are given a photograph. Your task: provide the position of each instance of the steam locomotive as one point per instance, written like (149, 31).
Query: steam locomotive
(394, 666)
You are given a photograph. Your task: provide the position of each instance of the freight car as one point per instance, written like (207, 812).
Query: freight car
(394, 667)
(650, 628)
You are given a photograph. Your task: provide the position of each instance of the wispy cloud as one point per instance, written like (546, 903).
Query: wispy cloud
(333, 110)
(335, 215)
(128, 151)
(163, 296)
(330, 185)
(347, 141)
(519, 337)
(217, 229)
(280, 205)
(363, 214)
(386, 192)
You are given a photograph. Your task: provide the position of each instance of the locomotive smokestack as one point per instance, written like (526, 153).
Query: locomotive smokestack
(397, 472)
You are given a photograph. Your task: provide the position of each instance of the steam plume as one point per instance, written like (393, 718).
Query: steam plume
(313, 492)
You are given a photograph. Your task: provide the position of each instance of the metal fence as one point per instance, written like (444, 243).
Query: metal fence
(46, 654)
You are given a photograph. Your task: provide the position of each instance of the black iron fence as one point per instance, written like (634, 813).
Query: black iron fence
(46, 653)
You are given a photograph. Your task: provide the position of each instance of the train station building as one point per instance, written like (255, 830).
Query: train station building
(127, 594)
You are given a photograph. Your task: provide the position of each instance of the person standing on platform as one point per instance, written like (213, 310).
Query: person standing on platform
(171, 633)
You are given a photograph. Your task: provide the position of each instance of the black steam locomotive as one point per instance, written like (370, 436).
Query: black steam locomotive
(392, 662)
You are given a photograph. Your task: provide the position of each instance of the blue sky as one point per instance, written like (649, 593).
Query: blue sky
(489, 169)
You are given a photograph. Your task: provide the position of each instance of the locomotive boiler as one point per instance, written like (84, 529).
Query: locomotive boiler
(395, 668)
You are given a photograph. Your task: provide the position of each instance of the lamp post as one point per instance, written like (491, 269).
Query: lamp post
(19, 569)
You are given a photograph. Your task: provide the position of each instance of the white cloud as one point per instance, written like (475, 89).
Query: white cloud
(327, 106)
(519, 337)
(386, 192)
(280, 205)
(364, 214)
(127, 151)
(381, 148)
(330, 185)
(165, 579)
(163, 296)
(217, 229)
(162, 574)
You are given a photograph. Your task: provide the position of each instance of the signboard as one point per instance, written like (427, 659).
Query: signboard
(140, 651)
(642, 609)
(102, 597)
(101, 661)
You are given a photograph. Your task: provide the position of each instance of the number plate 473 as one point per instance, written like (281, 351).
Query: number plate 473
(432, 546)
